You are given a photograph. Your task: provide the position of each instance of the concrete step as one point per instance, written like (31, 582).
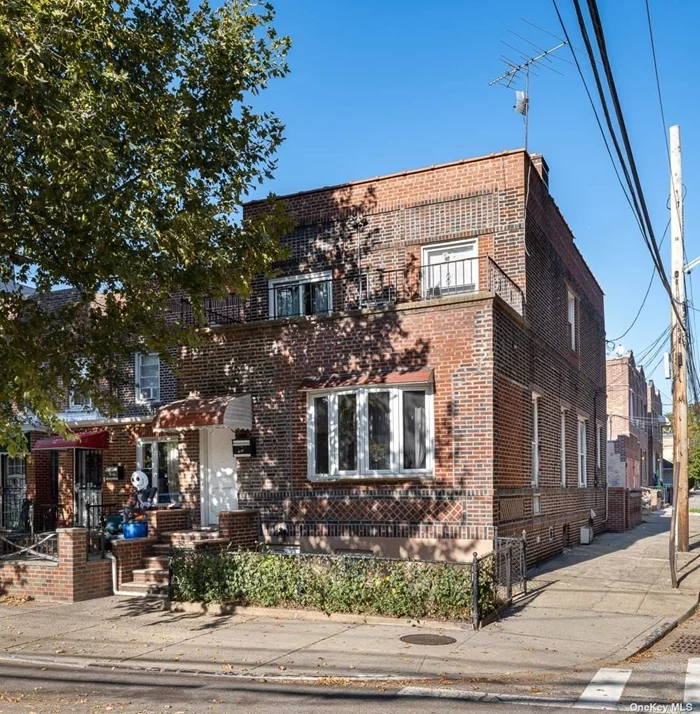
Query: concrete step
(161, 550)
(151, 589)
(157, 576)
(188, 536)
(156, 561)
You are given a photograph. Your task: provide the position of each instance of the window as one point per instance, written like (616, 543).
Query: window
(582, 474)
(76, 403)
(159, 461)
(147, 378)
(571, 317)
(535, 440)
(562, 447)
(370, 432)
(450, 268)
(299, 295)
(536, 504)
(598, 446)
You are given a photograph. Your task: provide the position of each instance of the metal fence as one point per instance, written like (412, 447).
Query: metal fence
(359, 290)
(511, 567)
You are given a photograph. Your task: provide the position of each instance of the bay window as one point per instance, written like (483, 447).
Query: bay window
(370, 431)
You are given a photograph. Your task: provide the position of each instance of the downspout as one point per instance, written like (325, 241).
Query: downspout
(115, 580)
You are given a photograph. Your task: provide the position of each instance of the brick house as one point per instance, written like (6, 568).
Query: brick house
(424, 371)
(635, 419)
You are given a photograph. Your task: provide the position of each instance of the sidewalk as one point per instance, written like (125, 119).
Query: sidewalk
(592, 605)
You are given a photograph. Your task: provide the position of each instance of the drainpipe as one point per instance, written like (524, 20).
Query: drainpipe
(115, 580)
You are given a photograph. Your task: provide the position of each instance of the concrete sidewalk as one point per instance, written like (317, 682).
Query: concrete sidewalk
(592, 605)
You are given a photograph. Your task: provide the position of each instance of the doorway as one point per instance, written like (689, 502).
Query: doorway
(88, 487)
(219, 486)
(159, 460)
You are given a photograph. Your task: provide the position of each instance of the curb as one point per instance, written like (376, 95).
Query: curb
(280, 613)
(658, 634)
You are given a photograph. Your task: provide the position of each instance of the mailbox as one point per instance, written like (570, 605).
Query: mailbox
(114, 472)
(243, 448)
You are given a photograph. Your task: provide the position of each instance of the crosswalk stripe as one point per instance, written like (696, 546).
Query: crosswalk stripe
(604, 690)
(692, 681)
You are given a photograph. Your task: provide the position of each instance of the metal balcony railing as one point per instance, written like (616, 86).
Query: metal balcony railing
(362, 290)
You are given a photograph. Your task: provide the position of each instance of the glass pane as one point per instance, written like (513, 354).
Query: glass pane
(347, 432)
(168, 483)
(414, 430)
(321, 435)
(147, 460)
(287, 301)
(379, 408)
(319, 302)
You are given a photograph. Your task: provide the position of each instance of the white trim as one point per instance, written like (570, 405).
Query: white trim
(447, 245)
(562, 445)
(535, 446)
(582, 462)
(363, 471)
(138, 397)
(79, 407)
(204, 476)
(114, 421)
(571, 304)
(324, 276)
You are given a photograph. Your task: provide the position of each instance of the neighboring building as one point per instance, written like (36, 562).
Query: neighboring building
(635, 420)
(426, 370)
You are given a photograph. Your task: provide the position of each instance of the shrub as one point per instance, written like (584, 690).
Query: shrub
(350, 584)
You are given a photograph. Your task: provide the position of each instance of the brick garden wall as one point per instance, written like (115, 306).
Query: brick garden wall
(241, 528)
(72, 579)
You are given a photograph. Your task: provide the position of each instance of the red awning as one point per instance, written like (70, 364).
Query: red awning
(338, 381)
(234, 412)
(84, 440)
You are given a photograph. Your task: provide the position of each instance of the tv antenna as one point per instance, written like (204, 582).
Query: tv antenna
(528, 64)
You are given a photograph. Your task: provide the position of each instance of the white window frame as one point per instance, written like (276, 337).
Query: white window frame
(536, 504)
(140, 399)
(582, 439)
(173, 453)
(396, 471)
(301, 279)
(562, 445)
(73, 407)
(599, 446)
(571, 317)
(535, 471)
(446, 245)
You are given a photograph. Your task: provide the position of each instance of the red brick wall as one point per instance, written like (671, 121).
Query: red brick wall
(74, 578)
(163, 520)
(130, 554)
(625, 509)
(241, 527)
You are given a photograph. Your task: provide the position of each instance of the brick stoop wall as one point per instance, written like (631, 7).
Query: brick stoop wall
(72, 579)
(625, 509)
(130, 554)
(241, 528)
(168, 520)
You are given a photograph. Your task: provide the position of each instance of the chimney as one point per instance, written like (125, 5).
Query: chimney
(542, 167)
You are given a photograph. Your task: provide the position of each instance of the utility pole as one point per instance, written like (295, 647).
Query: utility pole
(679, 348)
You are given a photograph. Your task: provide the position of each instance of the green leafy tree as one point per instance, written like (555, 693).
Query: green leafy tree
(128, 140)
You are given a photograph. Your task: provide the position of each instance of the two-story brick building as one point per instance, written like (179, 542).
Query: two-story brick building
(426, 369)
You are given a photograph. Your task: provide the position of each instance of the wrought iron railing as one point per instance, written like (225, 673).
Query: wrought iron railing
(29, 546)
(361, 290)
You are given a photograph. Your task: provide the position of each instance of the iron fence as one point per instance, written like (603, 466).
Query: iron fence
(29, 546)
(288, 298)
(510, 567)
(96, 520)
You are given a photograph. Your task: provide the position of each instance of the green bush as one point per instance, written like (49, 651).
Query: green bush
(332, 583)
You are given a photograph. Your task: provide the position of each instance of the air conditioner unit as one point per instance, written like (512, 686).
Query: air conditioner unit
(586, 535)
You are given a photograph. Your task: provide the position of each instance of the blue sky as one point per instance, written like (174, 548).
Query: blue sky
(377, 87)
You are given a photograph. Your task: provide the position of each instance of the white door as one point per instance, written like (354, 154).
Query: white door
(219, 482)
(450, 268)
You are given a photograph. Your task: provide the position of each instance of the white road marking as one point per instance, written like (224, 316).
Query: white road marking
(692, 681)
(604, 690)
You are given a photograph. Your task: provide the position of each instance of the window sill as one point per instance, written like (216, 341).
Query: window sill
(374, 477)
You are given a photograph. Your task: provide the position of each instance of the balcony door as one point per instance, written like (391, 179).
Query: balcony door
(450, 268)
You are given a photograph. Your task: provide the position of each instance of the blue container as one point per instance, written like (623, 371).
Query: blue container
(135, 529)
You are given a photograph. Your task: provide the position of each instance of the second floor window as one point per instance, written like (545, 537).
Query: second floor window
(571, 318)
(147, 378)
(582, 447)
(300, 295)
(76, 403)
(535, 440)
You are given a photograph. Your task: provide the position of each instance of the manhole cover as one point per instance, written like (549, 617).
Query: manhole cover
(428, 639)
(687, 644)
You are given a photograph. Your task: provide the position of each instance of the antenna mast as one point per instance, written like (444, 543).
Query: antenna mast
(510, 77)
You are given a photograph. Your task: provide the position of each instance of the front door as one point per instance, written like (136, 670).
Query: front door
(88, 488)
(159, 461)
(220, 491)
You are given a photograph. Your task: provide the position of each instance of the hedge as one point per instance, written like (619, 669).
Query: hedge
(366, 585)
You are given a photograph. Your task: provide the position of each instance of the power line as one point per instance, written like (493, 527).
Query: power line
(658, 83)
(646, 294)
